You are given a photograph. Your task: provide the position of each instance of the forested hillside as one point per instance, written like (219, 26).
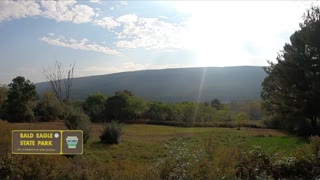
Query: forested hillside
(175, 85)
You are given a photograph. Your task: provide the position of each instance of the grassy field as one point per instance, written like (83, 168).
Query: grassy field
(143, 144)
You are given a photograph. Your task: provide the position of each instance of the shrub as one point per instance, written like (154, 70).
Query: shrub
(5, 140)
(49, 108)
(112, 133)
(183, 162)
(290, 168)
(8, 167)
(315, 155)
(178, 161)
(254, 164)
(76, 119)
(94, 107)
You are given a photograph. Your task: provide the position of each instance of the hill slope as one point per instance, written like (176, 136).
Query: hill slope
(174, 85)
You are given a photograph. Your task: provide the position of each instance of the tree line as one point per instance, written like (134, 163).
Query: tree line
(19, 102)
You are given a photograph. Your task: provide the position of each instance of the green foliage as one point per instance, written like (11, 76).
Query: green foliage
(76, 119)
(252, 108)
(192, 113)
(5, 134)
(76, 103)
(32, 167)
(159, 111)
(291, 92)
(179, 161)
(3, 93)
(287, 143)
(20, 102)
(115, 106)
(112, 133)
(209, 146)
(241, 118)
(257, 164)
(135, 108)
(7, 166)
(182, 162)
(3, 97)
(315, 145)
(124, 106)
(49, 108)
(94, 107)
(223, 115)
(216, 104)
(127, 107)
(254, 164)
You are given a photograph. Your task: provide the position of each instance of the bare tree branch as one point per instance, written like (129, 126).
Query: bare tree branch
(59, 83)
(68, 81)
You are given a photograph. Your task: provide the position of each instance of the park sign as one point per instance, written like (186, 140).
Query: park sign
(47, 142)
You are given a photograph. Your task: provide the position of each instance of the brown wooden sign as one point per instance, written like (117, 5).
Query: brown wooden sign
(47, 142)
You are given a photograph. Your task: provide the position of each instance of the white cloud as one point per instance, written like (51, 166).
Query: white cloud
(82, 14)
(61, 10)
(95, 1)
(18, 9)
(123, 3)
(127, 19)
(118, 5)
(149, 33)
(67, 11)
(107, 23)
(83, 44)
(218, 32)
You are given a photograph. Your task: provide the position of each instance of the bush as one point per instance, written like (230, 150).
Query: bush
(5, 140)
(179, 161)
(112, 133)
(94, 107)
(49, 108)
(254, 164)
(187, 162)
(76, 119)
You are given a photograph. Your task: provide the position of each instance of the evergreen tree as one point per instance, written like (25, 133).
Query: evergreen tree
(291, 92)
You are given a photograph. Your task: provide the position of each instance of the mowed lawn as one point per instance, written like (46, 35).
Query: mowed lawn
(148, 143)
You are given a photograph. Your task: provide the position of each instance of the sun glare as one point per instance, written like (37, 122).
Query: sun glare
(237, 33)
(211, 36)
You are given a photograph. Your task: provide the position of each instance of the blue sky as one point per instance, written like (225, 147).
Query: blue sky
(104, 37)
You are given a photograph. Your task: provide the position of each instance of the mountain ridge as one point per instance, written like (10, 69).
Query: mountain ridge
(175, 84)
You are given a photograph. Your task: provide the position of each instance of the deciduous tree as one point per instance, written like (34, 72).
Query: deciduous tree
(60, 82)
(3, 97)
(21, 97)
(124, 106)
(216, 104)
(94, 106)
(49, 108)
